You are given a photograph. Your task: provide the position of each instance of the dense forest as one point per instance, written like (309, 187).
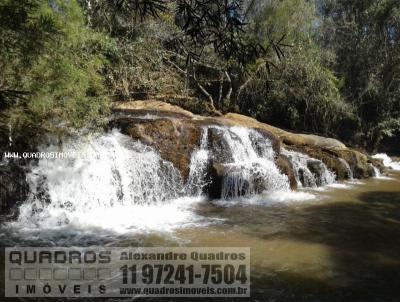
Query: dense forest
(330, 67)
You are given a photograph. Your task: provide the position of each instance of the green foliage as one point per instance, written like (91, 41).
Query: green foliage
(139, 65)
(137, 60)
(119, 18)
(300, 92)
(365, 35)
(217, 25)
(294, 19)
(322, 66)
(55, 73)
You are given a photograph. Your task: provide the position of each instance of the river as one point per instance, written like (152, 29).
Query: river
(338, 242)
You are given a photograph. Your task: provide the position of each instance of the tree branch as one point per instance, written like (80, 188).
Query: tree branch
(228, 95)
(207, 94)
(221, 86)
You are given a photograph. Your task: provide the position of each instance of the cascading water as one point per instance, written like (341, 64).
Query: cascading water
(249, 163)
(112, 182)
(348, 169)
(109, 170)
(199, 162)
(377, 173)
(309, 172)
(387, 161)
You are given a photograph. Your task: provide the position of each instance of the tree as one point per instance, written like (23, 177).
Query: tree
(299, 91)
(218, 50)
(364, 35)
(136, 65)
(203, 41)
(50, 70)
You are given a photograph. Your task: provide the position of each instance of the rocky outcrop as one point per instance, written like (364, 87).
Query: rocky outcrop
(329, 159)
(286, 137)
(346, 163)
(229, 176)
(176, 132)
(286, 167)
(359, 163)
(175, 139)
(156, 108)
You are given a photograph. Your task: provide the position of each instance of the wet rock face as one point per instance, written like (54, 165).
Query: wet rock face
(339, 161)
(286, 167)
(177, 138)
(220, 148)
(229, 178)
(378, 163)
(217, 174)
(176, 133)
(13, 187)
(266, 135)
(331, 161)
(316, 167)
(174, 139)
(359, 163)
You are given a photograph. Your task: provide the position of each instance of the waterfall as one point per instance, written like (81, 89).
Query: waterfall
(110, 169)
(117, 182)
(347, 167)
(387, 161)
(377, 173)
(249, 162)
(121, 184)
(199, 164)
(309, 172)
(111, 181)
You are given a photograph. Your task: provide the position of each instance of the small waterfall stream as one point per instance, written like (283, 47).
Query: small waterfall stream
(309, 172)
(387, 161)
(199, 162)
(377, 173)
(111, 181)
(348, 169)
(249, 162)
(110, 169)
(118, 183)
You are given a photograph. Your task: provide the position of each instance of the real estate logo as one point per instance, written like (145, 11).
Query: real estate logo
(127, 272)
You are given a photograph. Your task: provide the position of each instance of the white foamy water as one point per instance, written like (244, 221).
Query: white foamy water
(387, 161)
(120, 219)
(113, 183)
(250, 162)
(116, 185)
(377, 173)
(198, 167)
(270, 198)
(343, 185)
(309, 172)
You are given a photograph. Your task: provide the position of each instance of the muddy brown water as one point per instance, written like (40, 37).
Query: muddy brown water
(342, 246)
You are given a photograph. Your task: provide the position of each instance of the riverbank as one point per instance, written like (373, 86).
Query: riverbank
(337, 243)
(178, 136)
(321, 219)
